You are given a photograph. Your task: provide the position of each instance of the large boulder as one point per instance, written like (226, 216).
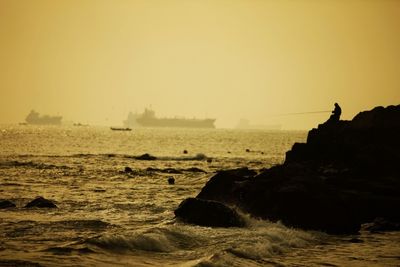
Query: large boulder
(208, 213)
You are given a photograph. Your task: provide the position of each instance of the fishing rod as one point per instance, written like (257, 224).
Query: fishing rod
(301, 113)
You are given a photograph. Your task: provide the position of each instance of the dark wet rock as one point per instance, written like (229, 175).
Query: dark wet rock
(128, 170)
(346, 174)
(208, 213)
(99, 190)
(40, 202)
(225, 185)
(171, 180)
(381, 225)
(146, 157)
(4, 204)
(194, 169)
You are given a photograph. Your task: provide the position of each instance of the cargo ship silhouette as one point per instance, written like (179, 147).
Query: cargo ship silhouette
(35, 118)
(148, 119)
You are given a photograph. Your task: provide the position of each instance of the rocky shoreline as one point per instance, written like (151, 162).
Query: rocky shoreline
(346, 174)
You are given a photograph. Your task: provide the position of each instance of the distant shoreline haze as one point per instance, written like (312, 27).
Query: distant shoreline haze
(95, 61)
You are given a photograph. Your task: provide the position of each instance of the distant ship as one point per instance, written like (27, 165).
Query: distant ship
(149, 119)
(120, 129)
(35, 118)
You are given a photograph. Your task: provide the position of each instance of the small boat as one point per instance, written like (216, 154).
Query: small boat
(120, 129)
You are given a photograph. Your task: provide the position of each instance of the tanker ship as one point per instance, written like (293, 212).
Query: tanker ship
(148, 119)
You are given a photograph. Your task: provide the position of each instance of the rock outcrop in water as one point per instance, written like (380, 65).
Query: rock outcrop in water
(346, 174)
(146, 156)
(208, 213)
(5, 204)
(40, 202)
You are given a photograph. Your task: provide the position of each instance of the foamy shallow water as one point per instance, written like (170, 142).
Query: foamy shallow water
(106, 217)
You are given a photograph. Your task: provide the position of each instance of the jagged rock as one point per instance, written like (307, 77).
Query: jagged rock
(346, 174)
(40, 202)
(146, 156)
(208, 213)
(4, 204)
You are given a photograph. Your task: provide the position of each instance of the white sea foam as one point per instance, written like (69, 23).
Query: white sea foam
(156, 239)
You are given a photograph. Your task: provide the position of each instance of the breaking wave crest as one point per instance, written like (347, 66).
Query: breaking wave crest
(156, 240)
(259, 242)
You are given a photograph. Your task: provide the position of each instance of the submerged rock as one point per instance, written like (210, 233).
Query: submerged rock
(40, 202)
(194, 169)
(208, 213)
(128, 170)
(146, 156)
(4, 204)
(171, 180)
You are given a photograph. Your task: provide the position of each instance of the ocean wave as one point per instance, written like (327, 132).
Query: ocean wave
(198, 156)
(258, 248)
(28, 227)
(31, 164)
(155, 240)
(255, 245)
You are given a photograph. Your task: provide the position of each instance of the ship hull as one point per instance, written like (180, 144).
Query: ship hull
(36, 119)
(181, 123)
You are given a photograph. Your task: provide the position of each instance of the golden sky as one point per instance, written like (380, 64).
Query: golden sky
(93, 61)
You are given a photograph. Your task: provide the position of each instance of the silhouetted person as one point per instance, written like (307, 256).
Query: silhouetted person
(335, 117)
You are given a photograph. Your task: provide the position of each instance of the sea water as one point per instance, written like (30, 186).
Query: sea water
(107, 217)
